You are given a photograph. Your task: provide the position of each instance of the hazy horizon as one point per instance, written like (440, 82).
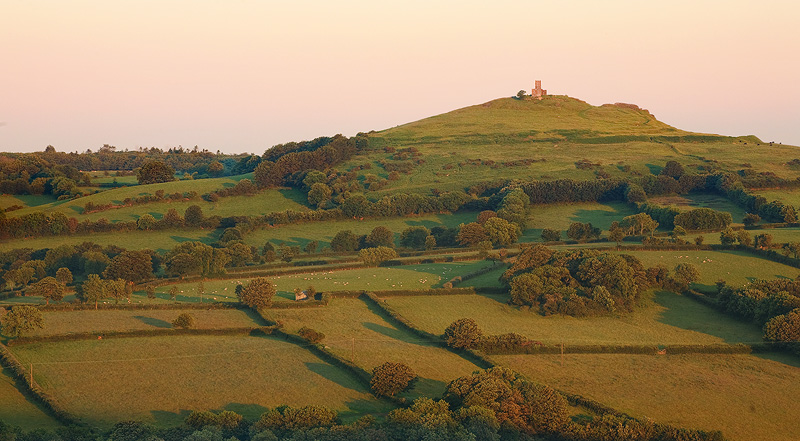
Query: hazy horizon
(243, 76)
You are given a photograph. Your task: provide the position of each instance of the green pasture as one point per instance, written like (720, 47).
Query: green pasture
(734, 267)
(744, 396)
(702, 200)
(302, 233)
(561, 216)
(67, 322)
(736, 153)
(666, 319)
(779, 235)
(162, 240)
(354, 329)
(421, 276)
(160, 380)
(24, 200)
(789, 196)
(487, 280)
(17, 410)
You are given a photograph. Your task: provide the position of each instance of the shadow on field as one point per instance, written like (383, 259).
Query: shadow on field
(425, 387)
(249, 411)
(334, 374)
(295, 196)
(158, 323)
(685, 313)
(781, 357)
(163, 418)
(386, 331)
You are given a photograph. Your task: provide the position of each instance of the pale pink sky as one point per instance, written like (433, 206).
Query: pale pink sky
(245, 75)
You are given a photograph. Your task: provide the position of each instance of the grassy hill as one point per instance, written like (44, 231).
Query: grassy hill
(493, 141)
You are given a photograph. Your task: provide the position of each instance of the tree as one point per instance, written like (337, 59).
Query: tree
(286, 253)
(173, 292)
(319, 194)
(134, 266)
(376, 255)
(184, 321)
(380, 236)
(471, 234)
(744, 239)
(581, 231)
(239, 253)
(118, 289)
(310, 335)
(672, 169)
(258, 293)
(150, 291)
(64, 276)
(785, 327)
(390, 378)
(463, 333)
(344, 241)
(792, 249)
(686, 273)
(751, 219)
(414, 237)
(501, 232)
(549, 235)
(146, 222)
(215, 169)
(153, 172)
(193, 216)
(616, 234)
(49, 288)
(521, 95)
(430, 242)
(485, 215)
(311, 247)
(93, 289)
(763, 241)
(638, 224)
(22, 319)
(727, 237)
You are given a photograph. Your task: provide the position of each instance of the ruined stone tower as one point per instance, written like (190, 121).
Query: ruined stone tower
(538, 92)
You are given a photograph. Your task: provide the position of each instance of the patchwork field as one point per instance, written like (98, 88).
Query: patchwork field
(737, 394)
(66, 322)
(702, 200)
(736, 268)
(161, 241)
(15, 408)
(161, 379)
(560, 216)
(355, 329)
(668, 319)
(391, 278)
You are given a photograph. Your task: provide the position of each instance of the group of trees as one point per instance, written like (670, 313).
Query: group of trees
(585, 282)
(773, 304)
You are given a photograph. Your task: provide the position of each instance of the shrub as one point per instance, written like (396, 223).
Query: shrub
(258, 293)
(311, 335)
(784, 327)
(390, 378)
(184, 321)
(463, 333)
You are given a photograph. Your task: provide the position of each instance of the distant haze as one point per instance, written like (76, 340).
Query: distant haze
(241, 76)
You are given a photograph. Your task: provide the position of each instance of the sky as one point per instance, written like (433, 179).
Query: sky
(243, 75)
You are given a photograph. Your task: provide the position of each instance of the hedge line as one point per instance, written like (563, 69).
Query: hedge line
(531, 348)
(32, 388)
(96, 335)
(460, 279)
(401, 321)
(75, 306)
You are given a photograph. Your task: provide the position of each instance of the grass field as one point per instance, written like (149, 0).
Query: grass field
(560, 216)
(161, 379)
(744, 396)
(301, 234)
(789, 196)
(353, 328)
(735, 267)
(702, 200)
(62, 322)
(17, 410)
(668, 319)
(161, 241)
(404, 277)
(24, 200)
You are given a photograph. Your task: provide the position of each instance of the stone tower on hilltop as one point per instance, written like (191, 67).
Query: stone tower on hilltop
(538, 92)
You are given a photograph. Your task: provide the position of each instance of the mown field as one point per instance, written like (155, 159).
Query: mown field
(666, 319)
(702, 200)
(161, 379)
(66, 322)
(16, 409)
(393, 278)
(745, 396)
(354, 329)
(735, 267)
